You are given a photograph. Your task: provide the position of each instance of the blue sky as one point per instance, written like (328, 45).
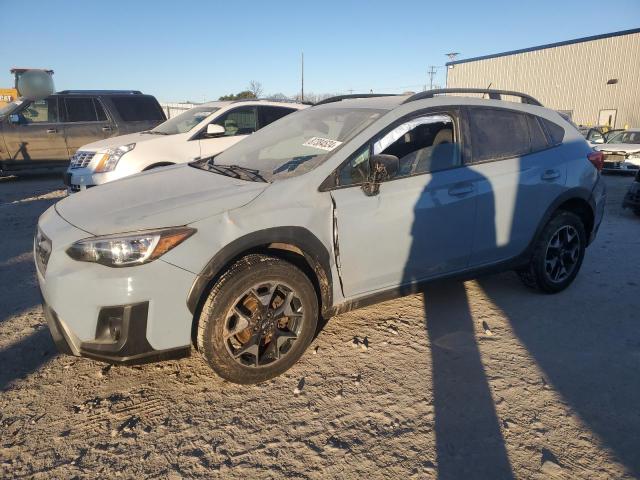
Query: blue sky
(202, 49)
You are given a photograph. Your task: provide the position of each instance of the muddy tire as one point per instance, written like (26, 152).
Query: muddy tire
(558, 254)
(258, 319)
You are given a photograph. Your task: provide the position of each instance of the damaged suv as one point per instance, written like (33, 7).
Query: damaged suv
(341, 205)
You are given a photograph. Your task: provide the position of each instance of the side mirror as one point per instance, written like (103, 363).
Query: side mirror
(383, 167)
(215, 130)
(13, 119)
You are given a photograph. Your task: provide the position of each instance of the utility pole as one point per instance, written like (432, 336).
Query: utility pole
(302, 78)
(431, 72)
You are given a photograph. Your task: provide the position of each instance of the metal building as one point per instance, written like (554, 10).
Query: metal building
(596, 80)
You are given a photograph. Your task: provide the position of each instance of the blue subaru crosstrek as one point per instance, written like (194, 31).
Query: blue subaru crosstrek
(353, 201)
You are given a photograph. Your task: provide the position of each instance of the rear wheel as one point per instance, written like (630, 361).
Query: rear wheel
(258, 319)
(558, 254)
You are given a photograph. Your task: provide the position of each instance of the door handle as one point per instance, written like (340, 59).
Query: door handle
(461, 190)
(52, 130)
(106, 128)
(550, 175)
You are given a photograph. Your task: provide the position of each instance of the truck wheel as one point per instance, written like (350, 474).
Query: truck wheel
(258, 319)
(557, 255)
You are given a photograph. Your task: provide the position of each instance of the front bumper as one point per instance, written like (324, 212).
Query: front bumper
(78, 179)
(632, 197)
(80, 299)
(130, 347)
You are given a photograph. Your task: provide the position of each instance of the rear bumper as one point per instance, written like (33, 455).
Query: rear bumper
(597, 201)
(130, 347)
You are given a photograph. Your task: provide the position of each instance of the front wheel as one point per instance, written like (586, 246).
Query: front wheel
(558, 254)
(258, 319)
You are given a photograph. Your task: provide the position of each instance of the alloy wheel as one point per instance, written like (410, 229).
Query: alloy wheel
(262, 324)
(563, 253)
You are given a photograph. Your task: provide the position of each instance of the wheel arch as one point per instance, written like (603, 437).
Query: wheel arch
(575, 200)
(295, 244)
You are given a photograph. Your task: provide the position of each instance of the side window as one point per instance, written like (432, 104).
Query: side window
(497, 133)
(241, 121)
(554, 131)
(423, 145)
(271, 114)
(40, 111)
(80, 110)
(136, 108)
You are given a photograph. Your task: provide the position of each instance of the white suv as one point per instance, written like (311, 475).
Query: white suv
(202, 131)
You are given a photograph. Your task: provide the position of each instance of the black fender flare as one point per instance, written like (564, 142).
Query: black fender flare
(313, 250)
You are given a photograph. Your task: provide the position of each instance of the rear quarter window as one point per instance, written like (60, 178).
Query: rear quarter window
(135, 109)
(554, 131)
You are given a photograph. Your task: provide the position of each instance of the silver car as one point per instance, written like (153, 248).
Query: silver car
(344, 204)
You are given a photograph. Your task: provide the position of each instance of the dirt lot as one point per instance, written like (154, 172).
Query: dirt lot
(483, 379)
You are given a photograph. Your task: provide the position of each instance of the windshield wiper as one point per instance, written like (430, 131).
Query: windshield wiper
(235, 171)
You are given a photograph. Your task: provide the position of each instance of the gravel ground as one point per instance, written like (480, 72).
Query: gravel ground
(482, 379)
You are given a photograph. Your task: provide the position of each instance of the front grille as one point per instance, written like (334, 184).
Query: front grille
(613, 157)
(81, 159)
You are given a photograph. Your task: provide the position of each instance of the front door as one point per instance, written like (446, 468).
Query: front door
(237, 123)
(34, 137)
(420, 223)
(85, 121)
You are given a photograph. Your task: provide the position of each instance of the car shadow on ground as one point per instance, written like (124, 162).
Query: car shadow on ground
(469, 442)
(590, 360)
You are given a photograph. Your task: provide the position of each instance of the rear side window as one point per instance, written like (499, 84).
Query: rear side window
(554, 131)
(498, 134)
(538, 139)
(80, 110)
(137, 108)
(99, 110)
(271, 114)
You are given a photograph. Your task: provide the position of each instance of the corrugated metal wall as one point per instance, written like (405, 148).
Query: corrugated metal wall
(570, 77)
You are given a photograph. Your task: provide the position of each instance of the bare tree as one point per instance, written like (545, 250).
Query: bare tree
(255, 87)
(277, 96)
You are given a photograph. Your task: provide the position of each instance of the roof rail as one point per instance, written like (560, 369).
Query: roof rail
(100, 92)
(338, 98)
(493, 94)
(278, 100)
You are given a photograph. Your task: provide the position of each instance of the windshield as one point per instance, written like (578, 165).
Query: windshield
(185, 121)
(10, 107)
(296, 143)
(625, 137)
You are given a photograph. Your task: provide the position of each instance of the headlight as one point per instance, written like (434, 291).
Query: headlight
(111, 157)
(126, 250)
(634, 156)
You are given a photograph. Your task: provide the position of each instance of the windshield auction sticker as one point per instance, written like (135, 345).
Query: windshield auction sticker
(322, 143)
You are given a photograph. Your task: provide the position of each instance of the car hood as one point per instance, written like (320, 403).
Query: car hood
(619, 147)
(114, 142)
(163, 197)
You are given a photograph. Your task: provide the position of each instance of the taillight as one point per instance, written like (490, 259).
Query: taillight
(597, 158)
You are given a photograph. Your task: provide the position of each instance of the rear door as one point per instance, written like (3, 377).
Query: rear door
(85, 121)
(238, 123)
(520, 174)
(37, 138)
